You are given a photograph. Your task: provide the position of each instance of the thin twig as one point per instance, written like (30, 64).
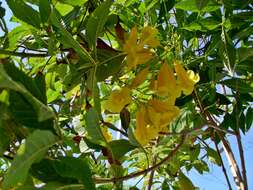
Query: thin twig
(136, 174)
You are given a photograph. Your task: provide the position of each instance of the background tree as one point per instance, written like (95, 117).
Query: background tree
(94, 93)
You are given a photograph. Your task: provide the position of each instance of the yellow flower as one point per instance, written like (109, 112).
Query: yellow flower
(140, 78)
(186, 79)
(137, 51)
(144, 132)
(118, 100)
(166, 83)
(161, 113)
(107, 135)
(148, 37)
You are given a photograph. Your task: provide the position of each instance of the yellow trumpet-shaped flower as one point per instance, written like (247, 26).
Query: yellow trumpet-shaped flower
(144, 132)
(107, 135)
(186, 79)
(166, 84)
(117, 100)
(161, 113)
(137, 51)
(140, 78)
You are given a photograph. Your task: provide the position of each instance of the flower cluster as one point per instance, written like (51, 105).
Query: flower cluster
(139, 51)
(153, 116)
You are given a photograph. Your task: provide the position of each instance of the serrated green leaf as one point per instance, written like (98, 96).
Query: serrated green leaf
(31, 152)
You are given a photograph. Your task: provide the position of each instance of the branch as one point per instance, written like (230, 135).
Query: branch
(228, 151)
(150, 181)
(22, 54)
(136, 174)
(222, 165)
(243, 165)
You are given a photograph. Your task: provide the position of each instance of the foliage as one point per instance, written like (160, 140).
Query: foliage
(94, 93)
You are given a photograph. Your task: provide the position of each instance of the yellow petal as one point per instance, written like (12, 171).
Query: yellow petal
(118, 100)
(140, 78)
(166, 83)
(194, 77)
(107, 135)
(148, 37)
(186, 80)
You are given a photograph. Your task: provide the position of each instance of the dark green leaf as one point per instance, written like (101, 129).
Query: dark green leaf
(45, 9)
(96, 22)
(43, 112)
(241, 85)
(76, 168)
(249, 118)
(24, 12)
(120, 147)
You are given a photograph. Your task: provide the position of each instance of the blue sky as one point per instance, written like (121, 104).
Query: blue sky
(215, 179)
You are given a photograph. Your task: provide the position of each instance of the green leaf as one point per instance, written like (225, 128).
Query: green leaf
(96, 22)
(67, 39)
(76, 168)
(197, 5)
(237, 84)
(200, 166)
(63, 9)
(93, 126)
(184, 182)
(213, 156)
(110, 62)
(249, 118)
(32, 151)
(24, 12)
(43, 112)
(75, 3)
(61, 186)
(16, 35)
(24, 113)
(201, 4)
(244, 53)
(120, 147)
(45, 9)
(4, 138)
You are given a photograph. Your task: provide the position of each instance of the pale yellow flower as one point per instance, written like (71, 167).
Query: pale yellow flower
(186, 79)
(117, 100)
